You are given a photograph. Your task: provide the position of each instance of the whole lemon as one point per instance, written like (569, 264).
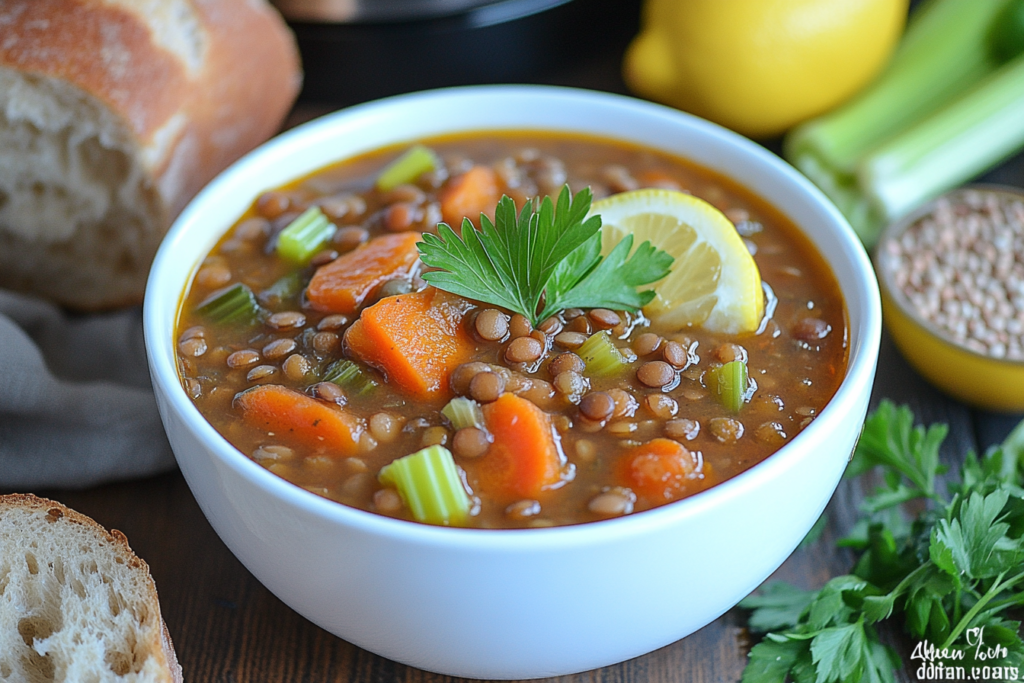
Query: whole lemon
(760, 66)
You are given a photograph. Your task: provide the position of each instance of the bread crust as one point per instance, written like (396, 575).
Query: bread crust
(190, 112)
(59, 514)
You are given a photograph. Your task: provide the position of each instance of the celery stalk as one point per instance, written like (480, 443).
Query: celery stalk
(348, 375)
(982, 127)
(429, 483)
(233, 304)
(730, 384)
(946, 52)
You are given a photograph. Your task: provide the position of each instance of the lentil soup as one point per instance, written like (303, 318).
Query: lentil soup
(547, 441)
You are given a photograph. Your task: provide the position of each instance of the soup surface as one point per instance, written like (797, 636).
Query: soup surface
(553, 443)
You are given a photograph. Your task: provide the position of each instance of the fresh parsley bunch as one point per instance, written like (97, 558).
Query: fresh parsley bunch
(957, 565)
(543, 260)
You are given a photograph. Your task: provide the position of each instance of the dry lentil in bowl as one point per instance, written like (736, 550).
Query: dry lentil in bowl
(538, 438)
(961, 268)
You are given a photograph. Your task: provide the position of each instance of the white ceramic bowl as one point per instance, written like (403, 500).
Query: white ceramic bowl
(521, 603)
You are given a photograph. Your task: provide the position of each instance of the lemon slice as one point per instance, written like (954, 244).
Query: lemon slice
(714, 281)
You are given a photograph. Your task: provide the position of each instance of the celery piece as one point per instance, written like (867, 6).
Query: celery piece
(464, 412)
(730, 383)
(305, 236)
(945, 52)
(348, 375)
(601, 357)
(430, 485)
(1007, 38)
(232, 305)
(975, 131)
(416, 161)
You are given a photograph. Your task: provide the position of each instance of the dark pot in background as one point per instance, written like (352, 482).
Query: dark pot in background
(359, 50)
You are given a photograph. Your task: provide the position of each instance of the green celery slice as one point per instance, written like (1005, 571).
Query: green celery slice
(601, 357)
(464, 412)
(348, 375)
(235, 304)
(416, 161)
(305, 236)
(429, 483)
(730, 384)
(282, 290)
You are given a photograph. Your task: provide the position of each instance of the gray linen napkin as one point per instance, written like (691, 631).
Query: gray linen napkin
(76, 403)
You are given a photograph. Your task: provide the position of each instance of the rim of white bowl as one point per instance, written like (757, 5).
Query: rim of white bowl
(161, 309)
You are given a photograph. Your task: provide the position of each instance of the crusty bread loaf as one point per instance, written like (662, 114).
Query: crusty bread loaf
(76, 604)
(113, 114)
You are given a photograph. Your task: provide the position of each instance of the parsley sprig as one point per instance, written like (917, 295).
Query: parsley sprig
(957, 565)
(543, 260)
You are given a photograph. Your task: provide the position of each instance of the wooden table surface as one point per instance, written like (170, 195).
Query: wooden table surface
(228, 628)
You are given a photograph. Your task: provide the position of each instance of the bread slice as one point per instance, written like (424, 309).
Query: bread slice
(113, 114)
(76, 604)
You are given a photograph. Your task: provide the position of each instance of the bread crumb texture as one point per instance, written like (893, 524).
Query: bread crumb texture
(75, 603)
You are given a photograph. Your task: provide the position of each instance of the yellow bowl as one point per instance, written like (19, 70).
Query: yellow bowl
(967, 375)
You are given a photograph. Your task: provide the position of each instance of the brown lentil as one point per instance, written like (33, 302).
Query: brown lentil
(464, 374)
(332, 322)
(551, 326)
(253, 229)
(682, 429)
(523, 350)
(272, 204)
(646, 344)
(597, 406)
(772, 433)
(570, 340)
(523, 509)
(192, 347)
(286, 320)
(326, 343)
(655, 373)
(279, 348)
(565, 362)
(662, 406)
(519, 326)
(616, 500)
(385, 427)
(625, 403)
(400, 216)
(811, 330)
(726, 353)
(726, 429)
(329, 391)
(296, 367)
(570, 384)
(675, 355)
(213, 276)
(387, 501)
(604, 318)
(491, 324)
(470, 442)
(260, 372)
(242, 359)
(580, 324)
(350, 237)
(486, 387)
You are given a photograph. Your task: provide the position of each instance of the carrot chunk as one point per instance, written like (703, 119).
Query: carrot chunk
(415, 339)
(343, 285)
(525, 456)
(299, 419)
(663, 470)
(469, 195)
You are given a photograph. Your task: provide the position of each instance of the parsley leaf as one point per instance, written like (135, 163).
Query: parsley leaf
(549, 254)
(948, 573)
